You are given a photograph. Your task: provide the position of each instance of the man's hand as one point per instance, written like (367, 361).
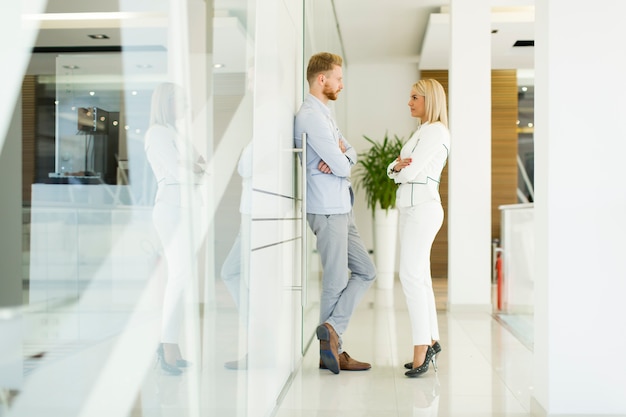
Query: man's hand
(323, 167)
(342, 146)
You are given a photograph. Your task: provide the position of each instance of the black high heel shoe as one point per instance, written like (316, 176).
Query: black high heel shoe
(412, 373)
(436, 348)
(170, 369)
(181, 363)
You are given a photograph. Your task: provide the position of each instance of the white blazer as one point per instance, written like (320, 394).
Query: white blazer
(419, 182)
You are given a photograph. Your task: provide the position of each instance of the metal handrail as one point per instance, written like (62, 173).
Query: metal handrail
(303, 223)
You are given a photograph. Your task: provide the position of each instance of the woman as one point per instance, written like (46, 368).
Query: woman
(417, 170)
(178, 171)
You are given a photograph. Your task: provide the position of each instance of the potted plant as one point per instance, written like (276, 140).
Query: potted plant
(380, 193)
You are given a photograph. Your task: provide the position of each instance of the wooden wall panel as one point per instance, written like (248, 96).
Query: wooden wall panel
(29, 128)
(503, 143)
(503, 159)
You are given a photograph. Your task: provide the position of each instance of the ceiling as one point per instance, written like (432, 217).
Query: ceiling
(419, 31)
(415, 31)
(372, 31)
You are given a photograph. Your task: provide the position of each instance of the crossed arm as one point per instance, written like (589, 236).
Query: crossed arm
(323, 166)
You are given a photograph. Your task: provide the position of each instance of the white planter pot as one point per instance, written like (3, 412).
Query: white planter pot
(385, 237)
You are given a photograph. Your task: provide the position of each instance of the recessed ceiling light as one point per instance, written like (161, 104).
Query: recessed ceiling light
(218, 65)
(98, 36)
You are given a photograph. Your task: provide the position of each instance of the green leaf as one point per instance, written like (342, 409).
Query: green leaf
(371, 172)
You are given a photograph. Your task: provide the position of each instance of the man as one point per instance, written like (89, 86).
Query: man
(347, 269)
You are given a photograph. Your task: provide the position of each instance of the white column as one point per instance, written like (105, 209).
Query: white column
(469, 204)
(580, 209)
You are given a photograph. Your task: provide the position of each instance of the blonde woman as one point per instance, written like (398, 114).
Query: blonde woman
(417, 170)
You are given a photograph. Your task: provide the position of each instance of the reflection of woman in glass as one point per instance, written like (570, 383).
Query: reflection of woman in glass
(235, 268)
(178, 171)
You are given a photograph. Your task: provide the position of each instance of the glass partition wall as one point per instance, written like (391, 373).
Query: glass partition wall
(132, 217)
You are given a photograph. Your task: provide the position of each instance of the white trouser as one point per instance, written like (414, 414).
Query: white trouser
(418, 226)
(235, 271)
(179, 252)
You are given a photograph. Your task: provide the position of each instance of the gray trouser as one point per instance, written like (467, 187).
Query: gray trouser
(347, 268)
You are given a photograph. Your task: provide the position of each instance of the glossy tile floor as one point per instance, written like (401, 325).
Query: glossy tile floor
(484, 370)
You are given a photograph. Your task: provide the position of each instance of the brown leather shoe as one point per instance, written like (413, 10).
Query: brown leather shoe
(346, 363)
(329, 346)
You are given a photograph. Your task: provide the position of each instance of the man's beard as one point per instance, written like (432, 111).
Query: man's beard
(330, 94)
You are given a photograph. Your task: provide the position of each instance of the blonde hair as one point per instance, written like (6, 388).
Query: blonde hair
(434, 100)
(321, 62)
(166, 99)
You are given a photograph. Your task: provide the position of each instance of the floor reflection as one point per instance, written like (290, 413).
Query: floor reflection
(483, 370)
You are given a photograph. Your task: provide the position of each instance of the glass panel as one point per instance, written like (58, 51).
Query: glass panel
(137, 214)
(114, 226)
(525, 136)
(227, 318)
(130, 211)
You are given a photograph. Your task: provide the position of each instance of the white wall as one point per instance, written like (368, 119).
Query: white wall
(580, 204)
(376, 101)
(274, 311)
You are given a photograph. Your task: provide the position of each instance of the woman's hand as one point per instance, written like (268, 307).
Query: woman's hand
(402, 163)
